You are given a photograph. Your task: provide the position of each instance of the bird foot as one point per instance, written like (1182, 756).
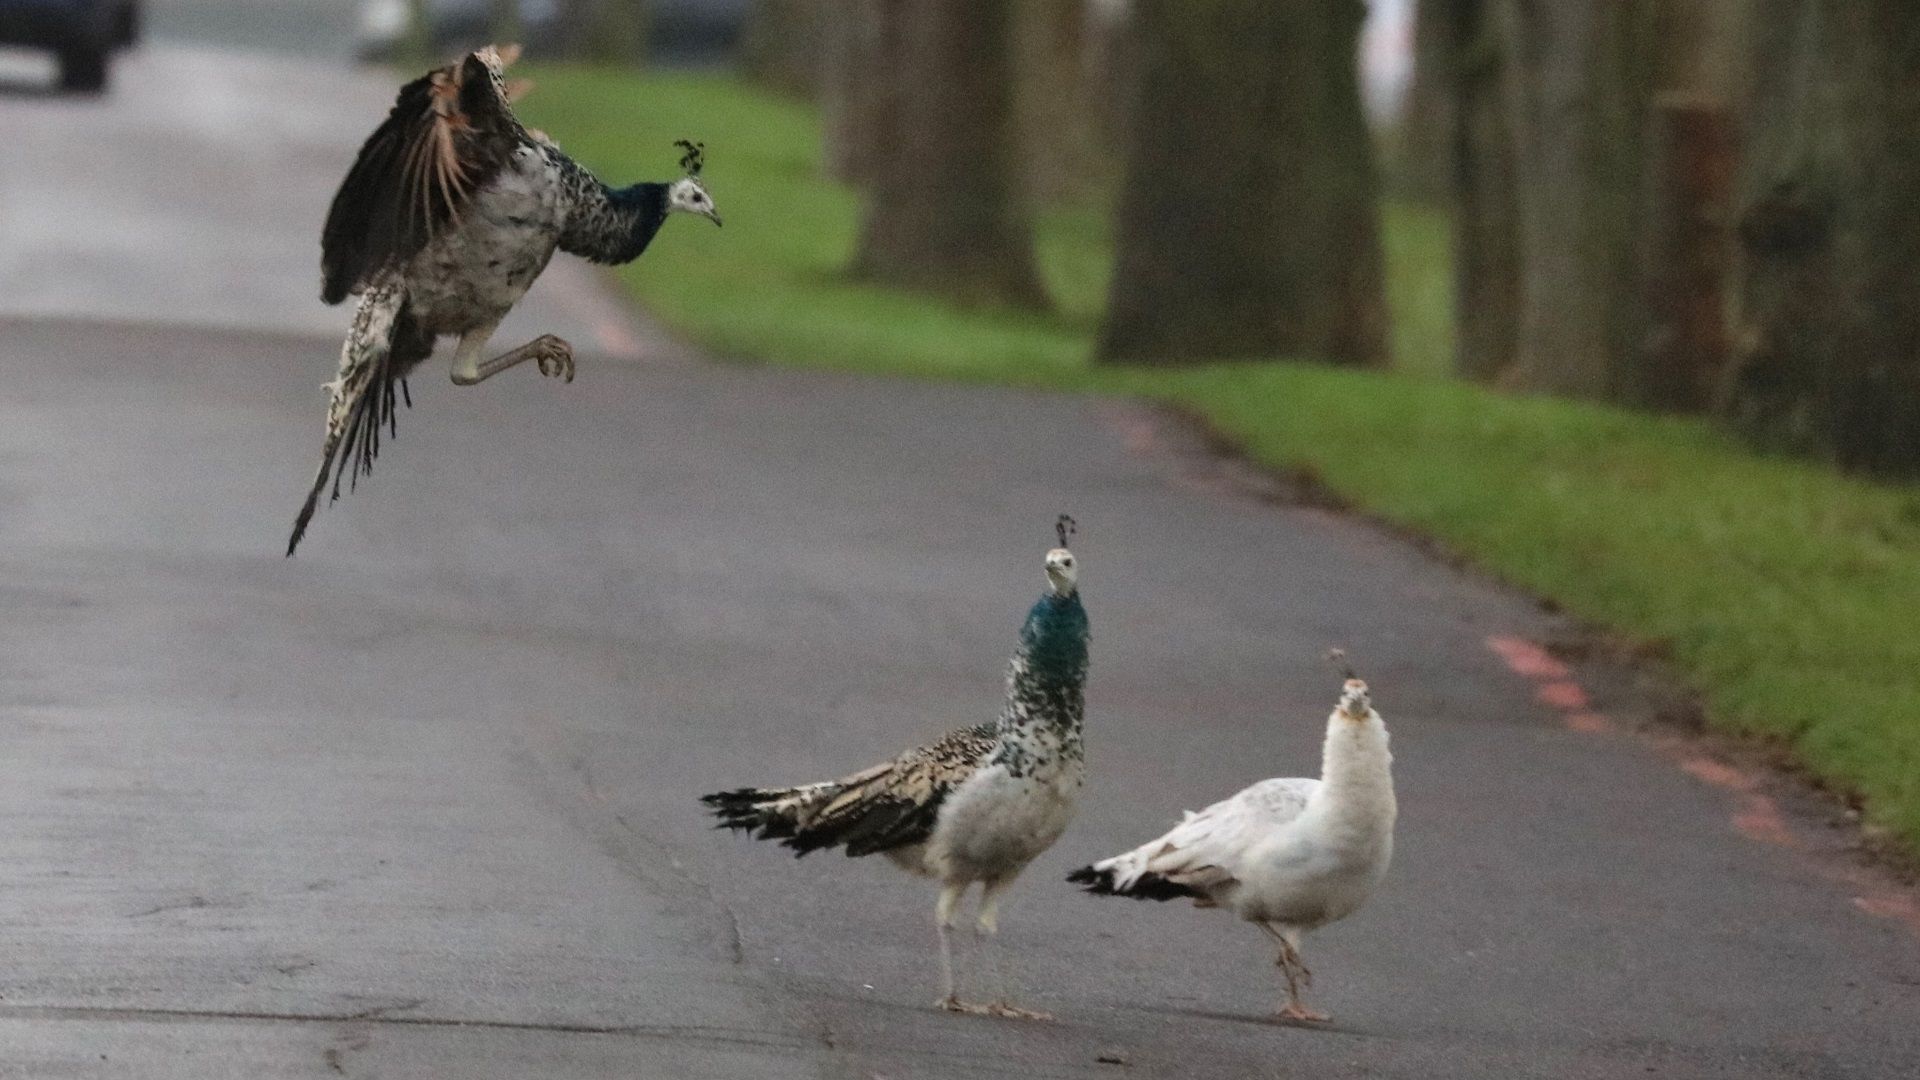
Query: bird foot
(1298, 1013)
(971, 1008)
(555, 358)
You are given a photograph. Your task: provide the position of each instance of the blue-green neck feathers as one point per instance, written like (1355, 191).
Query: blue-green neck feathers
(639, 211)
(1054, 639)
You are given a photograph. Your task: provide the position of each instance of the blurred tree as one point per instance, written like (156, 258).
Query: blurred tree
(1461, 47)
(1422, 145)
(417, 48)
(1830, 230)
(1248, 217)
(853, 87)
(607, 31)
(1111, 67)
(504, 21)
(784, 43)
(1683, 344)
(1550, 109)
(1055, 97)
(943, 210)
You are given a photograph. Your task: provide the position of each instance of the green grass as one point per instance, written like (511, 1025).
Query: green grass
(1789, 594)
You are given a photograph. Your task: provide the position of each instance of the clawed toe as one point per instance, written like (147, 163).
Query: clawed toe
(1301, 1014)
(954, 1004)
(556, 360)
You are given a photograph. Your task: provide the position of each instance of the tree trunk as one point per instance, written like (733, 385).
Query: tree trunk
(853, 87)
(1469, 42)
(503, 21)
(607, 31)
(1058, 114)
(1830, 232)
(784, 44)
(1550, 145)
(1247, 222)
(1689, 249)
(418, 43)
(1423, 143)
(1111, 68)
(944, 213)
(1680, 351)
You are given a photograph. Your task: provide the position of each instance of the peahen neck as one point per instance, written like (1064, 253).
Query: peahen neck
(1356, 774)
(1047, 679)
(636, 214)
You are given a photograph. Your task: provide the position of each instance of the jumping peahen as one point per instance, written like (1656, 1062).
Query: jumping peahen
(448, 215)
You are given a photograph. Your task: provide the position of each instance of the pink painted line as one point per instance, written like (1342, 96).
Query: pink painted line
(1563, 695)
(1590, 723)
(1888, 905)
(1527, 658)
(1717, 773)
(1759, 818)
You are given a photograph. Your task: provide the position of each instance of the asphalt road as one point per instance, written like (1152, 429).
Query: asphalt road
(420, 802)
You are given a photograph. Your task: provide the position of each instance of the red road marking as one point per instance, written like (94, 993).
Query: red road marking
(1565, 694)
(1528, 659)
(1757, 816)
(1589, 723)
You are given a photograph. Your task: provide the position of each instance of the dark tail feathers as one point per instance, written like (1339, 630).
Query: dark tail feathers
(1149, 887)
(756, 812)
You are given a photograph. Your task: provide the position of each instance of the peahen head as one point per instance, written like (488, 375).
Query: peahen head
(1063, 571)
(688, 195)
(1355, 702)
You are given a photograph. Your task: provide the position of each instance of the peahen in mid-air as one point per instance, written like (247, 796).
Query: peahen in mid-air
(977, 805)
(450, 212)
(1287, 855)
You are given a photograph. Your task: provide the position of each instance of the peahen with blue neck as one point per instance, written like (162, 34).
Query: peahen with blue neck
(977, 805)
(448, 215)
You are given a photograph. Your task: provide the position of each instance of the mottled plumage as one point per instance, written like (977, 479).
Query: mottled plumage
(447, 216)
(1288, 855)
(977, 805)
(889, 806)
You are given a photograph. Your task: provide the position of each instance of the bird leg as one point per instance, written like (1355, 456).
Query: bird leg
(986, 928)
(1295, 969)
(942, 922)
(554, 355)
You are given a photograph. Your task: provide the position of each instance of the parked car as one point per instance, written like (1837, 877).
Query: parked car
(82, 34)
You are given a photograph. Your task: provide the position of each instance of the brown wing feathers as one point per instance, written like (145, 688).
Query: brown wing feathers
(881, 808)
(449, 132)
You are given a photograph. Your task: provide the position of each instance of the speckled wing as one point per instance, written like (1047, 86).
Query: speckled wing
(890, 805)
(450, 132)
(1204, 851)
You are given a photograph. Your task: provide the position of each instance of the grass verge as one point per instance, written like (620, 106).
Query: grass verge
(1789, 594)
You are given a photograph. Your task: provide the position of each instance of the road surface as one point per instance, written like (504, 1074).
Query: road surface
(420, 802)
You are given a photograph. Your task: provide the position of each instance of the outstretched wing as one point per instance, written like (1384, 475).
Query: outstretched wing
(1203, 852)
(450, 131)
(890, 805)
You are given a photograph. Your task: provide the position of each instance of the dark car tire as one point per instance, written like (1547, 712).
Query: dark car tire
(83, 69)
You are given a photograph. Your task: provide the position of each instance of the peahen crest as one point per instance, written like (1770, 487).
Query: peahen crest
(693, 157)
